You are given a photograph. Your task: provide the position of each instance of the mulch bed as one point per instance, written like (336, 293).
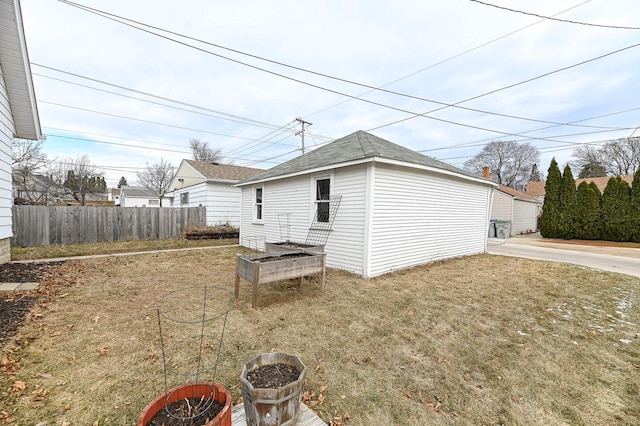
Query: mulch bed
(14, 307)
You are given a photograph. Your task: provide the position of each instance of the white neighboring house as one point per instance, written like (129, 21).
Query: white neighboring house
(113, 195)
(18, 109)
(398, 209)
(136, 196)
(198, 183)
(521, 209)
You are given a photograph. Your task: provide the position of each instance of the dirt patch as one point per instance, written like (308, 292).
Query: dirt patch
(183, 410)
(15, 306)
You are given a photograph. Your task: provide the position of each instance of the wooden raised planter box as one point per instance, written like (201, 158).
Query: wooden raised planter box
(290, 246)
(271, 267)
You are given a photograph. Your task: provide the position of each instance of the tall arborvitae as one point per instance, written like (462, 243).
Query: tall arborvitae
(635, 207)
(567, 204)
(550, 217)
(587, 212)
(616, 210)
(596, 190)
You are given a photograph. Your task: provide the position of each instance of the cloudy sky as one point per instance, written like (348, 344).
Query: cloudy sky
(131, 82)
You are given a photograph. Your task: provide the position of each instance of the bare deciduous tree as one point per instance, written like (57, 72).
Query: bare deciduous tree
(509, 162)
(616, 158)
(203, 152)
(589, 162)
(157, 178)
(622, 156)
(82, 178)
(27, 160)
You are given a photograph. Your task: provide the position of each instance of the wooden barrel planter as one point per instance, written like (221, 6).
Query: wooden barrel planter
(206, 390)
(272, 406)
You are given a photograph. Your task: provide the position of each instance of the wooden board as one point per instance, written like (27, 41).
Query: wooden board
(306, 417)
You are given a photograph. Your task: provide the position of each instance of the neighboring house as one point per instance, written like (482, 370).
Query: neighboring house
(135, 196)
(398, 208)
(18, 109)
(520, 209)
(35, 189)
(536, 189)
(198, 183)
(114, 196)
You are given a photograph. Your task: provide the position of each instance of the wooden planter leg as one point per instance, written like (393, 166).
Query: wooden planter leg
(256, 280)
(324, 268)
(237, 286)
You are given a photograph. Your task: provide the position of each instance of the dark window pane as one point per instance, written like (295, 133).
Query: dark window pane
(258, 195)
(323, 212)
(259, 211)
(322, 189)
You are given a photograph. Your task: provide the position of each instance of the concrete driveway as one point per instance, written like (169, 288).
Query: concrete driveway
(624, 259)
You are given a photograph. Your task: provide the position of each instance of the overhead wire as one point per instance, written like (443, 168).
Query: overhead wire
(448, 59)
(409, 112)
(551, 18)
(128, 22)
(465, 144)
(510, 86)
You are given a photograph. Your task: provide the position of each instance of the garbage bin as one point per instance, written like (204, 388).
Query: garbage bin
(503, 229)
(492, 228)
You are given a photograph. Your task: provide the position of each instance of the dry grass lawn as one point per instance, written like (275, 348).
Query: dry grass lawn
(478, 340)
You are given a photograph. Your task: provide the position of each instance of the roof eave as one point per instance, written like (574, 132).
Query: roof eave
(369, 160)
(20, 83)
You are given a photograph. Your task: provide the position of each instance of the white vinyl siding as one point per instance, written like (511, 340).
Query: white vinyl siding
(223, 205)
(420, 217)
(222, 201)
(525, 217)
(502, 206)
(345, 246)
(522, 214)
(287, 196)
(7, 131)
(292, 196)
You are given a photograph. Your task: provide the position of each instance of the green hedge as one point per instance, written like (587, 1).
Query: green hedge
(584, 213)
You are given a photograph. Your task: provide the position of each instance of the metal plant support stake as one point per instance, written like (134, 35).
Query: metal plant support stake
(192, 323)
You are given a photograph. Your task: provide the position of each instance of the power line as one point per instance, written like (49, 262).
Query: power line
(240, 118)
(448, 59)
(128, 22)
(556, 19)
(244, 121)
(465, 144)
(512, 85)
(143, 121)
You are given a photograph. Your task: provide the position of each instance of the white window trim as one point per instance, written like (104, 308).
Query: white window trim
(254, 206)
(313, 186)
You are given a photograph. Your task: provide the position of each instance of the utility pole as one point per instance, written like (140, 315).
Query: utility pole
(301, 132)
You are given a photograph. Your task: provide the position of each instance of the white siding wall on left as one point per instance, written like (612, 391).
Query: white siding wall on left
(7, 131)
(421, 217)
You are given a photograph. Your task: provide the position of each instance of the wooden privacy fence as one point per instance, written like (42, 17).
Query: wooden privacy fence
(47, 225)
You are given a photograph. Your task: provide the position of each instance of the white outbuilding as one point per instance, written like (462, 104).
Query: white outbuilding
(397, 209)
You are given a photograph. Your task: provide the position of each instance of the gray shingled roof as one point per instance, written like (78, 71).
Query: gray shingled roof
(356, 146)
(137, 191)
(229, 172)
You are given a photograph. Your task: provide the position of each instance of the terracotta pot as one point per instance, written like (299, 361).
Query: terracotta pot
(272, 406)
(191, 390)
